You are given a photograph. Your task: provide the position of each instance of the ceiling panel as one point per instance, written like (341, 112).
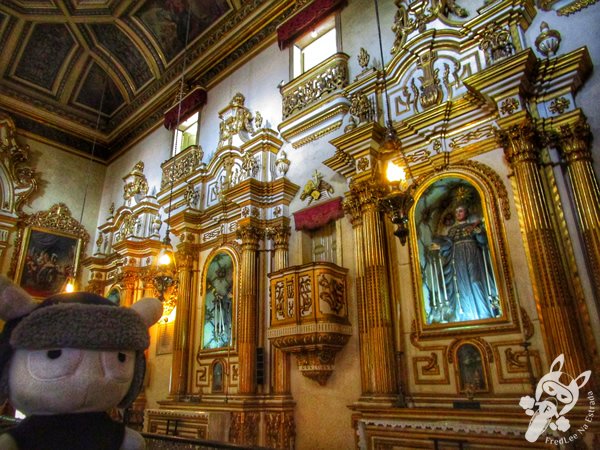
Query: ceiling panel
(45, 52)
(61, 59)
(118, 45)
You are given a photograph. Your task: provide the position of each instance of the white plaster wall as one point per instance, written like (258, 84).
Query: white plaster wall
(359, 29)
(65, 177)
(578, 30)
(257, 80)
(153, 150)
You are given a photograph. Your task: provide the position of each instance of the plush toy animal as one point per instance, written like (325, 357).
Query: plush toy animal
(65, 362)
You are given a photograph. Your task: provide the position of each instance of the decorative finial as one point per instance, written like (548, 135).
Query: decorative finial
(547, 41)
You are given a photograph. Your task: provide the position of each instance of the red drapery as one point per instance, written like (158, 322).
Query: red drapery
(305, 19)
(189, 105)
(319, 215)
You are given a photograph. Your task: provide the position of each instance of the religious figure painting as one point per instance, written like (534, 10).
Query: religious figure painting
(177, 22)
(456, 270)
(47, 259)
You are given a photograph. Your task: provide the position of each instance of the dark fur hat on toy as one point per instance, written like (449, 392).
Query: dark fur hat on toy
(79, 320)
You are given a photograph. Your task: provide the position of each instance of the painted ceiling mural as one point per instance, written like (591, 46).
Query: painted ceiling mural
(73, 58)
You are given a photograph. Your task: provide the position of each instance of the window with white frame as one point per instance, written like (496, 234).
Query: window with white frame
(315, 47)
(186, 134)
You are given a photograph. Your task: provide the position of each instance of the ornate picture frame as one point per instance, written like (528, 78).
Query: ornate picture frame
(49, 247)
(459, 280)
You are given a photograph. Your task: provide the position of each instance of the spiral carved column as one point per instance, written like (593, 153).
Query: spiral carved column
(574, 142)
(556, 306)
(375, 319)
(248, 307)
(181, 333)
(281, 360)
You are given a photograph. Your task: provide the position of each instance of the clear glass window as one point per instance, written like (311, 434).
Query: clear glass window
(186, 134)
(314, 47)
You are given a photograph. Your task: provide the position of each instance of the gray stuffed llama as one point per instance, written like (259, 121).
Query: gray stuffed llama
(65, 362)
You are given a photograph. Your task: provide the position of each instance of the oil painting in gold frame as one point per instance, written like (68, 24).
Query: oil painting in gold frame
(46, 259)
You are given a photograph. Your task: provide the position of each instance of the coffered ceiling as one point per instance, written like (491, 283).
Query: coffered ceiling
(100, 73)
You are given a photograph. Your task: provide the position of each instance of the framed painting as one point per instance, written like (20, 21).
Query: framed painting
(48, 250)
(47, 259)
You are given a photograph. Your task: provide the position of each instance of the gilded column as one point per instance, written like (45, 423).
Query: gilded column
(555, 304)
(353, 209)
(574, 142)
(375, 312)
(248, 307)
(128, 280)
(185, 292)
(281, 360)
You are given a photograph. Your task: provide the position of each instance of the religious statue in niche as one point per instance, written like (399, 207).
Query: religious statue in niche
(217, 377)
(218, 302)
(470, 369)
(458, 278)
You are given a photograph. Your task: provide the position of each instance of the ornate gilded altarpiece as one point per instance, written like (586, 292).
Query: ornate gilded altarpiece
(18, 181)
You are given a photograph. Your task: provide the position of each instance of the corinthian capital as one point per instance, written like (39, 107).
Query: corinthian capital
(574, 141)
(520, 142)
(249, 234)
(280, 235)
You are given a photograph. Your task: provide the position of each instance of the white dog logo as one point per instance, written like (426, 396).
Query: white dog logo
(553, 399)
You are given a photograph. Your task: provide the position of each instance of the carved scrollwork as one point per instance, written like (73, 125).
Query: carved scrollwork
(496, 43)
(361, 107)
(58, 218)
(280, 428)
(181, 165)
(305, 295)
(244, 427)
(14, 158)
(236, 119)
(415, 15)
(279, 300)
(330, 79)
(250, 165)
(135, 183)
(515, 361)
(332, 293)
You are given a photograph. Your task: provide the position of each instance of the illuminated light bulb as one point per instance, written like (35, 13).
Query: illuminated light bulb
(395, 173)
(69, 285)
(164, 259)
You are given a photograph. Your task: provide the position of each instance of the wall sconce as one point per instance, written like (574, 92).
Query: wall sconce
(400, 199)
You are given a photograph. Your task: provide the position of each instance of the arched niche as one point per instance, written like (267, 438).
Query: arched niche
(461, 269)
(217, 376)
(471, 369)
(218, 300)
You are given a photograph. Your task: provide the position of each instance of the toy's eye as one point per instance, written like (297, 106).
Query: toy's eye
(54, 363)
(119, 365)
(54, 354)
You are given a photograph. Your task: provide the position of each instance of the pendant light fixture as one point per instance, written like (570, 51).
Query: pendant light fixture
(165, 265)
(70, 284)
(399, 200)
